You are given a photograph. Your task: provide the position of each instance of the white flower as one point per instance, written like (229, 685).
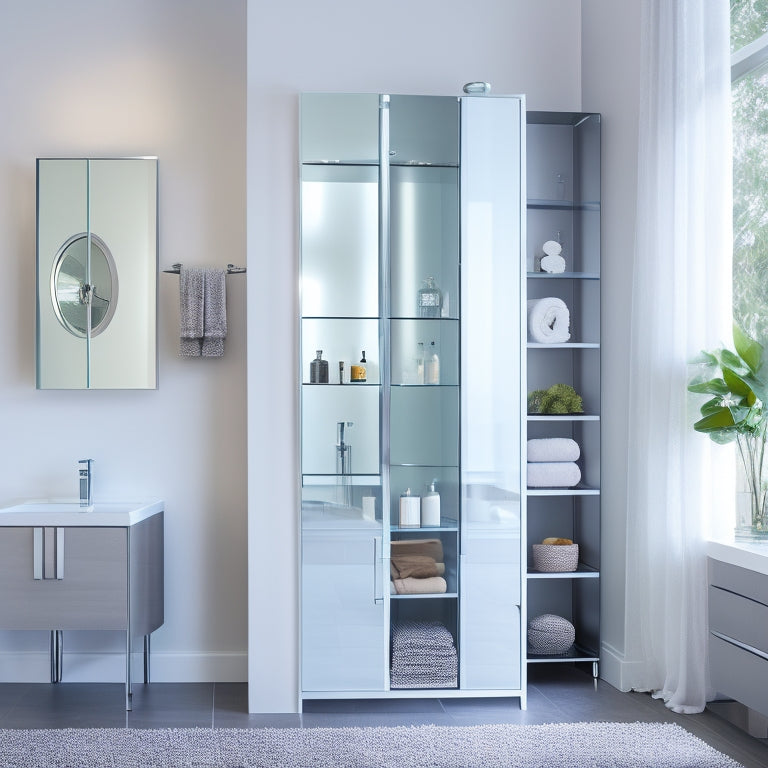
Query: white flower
(727, 402)
(758, 403)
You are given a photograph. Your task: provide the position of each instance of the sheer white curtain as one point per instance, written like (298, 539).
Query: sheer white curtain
(678, 481)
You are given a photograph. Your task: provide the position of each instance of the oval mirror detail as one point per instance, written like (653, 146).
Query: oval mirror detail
(74, 291)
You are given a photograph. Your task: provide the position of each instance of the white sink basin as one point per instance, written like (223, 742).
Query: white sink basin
(68, 512)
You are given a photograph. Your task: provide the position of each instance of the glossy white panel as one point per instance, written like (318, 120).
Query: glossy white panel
(339, 242)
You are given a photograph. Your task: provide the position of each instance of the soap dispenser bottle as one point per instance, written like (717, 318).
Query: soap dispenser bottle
(432, 365)
(430, 507)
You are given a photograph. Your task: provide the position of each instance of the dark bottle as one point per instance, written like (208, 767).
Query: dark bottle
(318, 369)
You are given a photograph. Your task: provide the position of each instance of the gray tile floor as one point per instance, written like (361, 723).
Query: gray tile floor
(555, 694)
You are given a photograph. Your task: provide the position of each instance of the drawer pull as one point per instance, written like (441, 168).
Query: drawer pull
(37, 553)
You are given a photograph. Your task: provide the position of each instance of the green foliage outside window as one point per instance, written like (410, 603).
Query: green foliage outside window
(749, 20)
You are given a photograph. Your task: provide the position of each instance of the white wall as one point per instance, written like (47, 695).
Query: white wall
(610, 85)
(430, 46)
(135, 77)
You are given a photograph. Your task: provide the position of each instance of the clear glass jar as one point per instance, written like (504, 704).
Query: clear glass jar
(430, 299)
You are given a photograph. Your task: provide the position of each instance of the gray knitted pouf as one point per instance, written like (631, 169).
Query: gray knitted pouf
(550, 634)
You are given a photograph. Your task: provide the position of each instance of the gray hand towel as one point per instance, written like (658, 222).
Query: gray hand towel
(215, 314)
(191, 297)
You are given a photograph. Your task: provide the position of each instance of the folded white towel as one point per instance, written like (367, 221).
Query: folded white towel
(548, 320)
(552, 264)
(553, 449)
(191, 303)
(215, 314)
(553, 474)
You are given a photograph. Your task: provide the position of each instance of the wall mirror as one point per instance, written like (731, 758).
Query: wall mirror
(96, 273)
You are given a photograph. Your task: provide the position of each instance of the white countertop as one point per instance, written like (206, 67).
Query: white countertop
(69, 513)
(745, 554)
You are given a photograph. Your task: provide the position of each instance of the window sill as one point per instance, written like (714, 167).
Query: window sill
(744, 554)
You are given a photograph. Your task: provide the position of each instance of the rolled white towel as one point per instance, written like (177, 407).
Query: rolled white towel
(552, 248)
(553, 474)
(548, 320)
(552, 264)
(553, 449)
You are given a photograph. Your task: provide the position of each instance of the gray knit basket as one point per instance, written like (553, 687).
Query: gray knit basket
(550, 634)
(555, 558)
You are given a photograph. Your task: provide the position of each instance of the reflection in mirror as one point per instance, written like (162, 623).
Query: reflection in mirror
(84, 294)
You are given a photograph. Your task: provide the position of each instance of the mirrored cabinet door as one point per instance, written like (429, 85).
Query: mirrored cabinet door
(96, 273)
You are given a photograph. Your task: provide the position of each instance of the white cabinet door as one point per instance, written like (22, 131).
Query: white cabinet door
(344, 640)
(490, 595)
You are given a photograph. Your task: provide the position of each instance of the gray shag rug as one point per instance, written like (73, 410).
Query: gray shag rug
(573, 745)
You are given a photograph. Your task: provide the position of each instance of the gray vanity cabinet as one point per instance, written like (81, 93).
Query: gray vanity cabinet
(84, 578)
(738, 633)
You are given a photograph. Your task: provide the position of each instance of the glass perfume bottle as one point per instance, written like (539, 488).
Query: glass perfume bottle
(318, 369)
(430, 299)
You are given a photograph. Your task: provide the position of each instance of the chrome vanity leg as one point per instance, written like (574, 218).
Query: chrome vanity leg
(146, 659)
(128, 691)
(57, 655)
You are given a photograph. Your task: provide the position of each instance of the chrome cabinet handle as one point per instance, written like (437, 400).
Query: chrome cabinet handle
(376, 598)
(59, 553)
(37, 553)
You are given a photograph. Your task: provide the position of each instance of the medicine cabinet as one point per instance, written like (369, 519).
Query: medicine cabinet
(96, 273)
(411, 227)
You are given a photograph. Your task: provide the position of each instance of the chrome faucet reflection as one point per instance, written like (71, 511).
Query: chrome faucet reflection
(86, 482)
(343, 463)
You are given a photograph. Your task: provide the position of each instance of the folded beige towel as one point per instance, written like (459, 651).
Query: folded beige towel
(418, 566)
(428, 547)
(410, 586)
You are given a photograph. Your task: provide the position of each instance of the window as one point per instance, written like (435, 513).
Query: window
(749, 74)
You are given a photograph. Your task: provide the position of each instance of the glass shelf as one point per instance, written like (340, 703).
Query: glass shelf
(564, 345)
(563, 205)
(450, 526)
(582, 572)
(427, 596)
(579, 490)
(563, 275)
(563, 417)
(576, 653)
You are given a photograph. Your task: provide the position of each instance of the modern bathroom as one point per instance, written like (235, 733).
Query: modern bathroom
(206, 97)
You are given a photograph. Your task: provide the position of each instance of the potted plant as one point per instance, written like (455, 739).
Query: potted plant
(737, 411)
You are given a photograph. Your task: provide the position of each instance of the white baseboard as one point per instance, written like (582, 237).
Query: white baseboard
(34, 667)
(614, 668)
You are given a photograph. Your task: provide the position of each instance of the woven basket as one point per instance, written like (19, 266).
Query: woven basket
(550, 634)
(552, 558)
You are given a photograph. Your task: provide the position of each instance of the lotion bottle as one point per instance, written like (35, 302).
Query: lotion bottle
(430, 507)
(432, 366)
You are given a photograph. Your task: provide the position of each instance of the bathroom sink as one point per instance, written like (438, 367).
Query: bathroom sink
(68, 512)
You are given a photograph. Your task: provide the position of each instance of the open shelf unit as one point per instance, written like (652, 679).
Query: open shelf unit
(563, 204)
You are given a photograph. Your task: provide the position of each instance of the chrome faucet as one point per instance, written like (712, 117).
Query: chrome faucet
(86, 482)
(343, 449)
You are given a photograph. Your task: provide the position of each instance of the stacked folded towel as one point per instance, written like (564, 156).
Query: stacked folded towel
(548, 320)
(417, 567)
(552, 463)
(423, 656)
